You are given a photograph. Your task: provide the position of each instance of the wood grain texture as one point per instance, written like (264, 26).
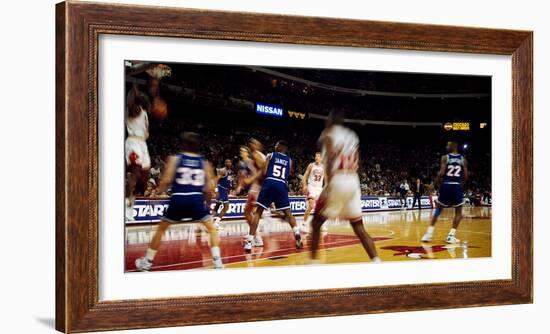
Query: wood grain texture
(78, 27)
(60, 135)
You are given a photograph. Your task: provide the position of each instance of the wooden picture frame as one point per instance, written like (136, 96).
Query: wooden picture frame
(78, 26)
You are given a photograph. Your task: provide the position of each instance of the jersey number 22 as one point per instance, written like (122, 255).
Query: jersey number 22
(454, 170)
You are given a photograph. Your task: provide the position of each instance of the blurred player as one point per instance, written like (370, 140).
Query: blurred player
(190, 176)
(313, 185)
(247, 174)
(274, 190)
(341, 198)
(253, 168)
(452, 175)
(138, 161)
(225, 180)
(246, 171)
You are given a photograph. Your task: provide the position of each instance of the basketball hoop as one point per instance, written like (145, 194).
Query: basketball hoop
(159, 71)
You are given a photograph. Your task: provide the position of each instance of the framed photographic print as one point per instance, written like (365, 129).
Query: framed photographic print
(221, 167)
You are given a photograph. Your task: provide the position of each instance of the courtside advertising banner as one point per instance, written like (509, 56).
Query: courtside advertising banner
(151, 210)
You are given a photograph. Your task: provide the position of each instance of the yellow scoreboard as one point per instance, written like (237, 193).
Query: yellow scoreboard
(457, 126)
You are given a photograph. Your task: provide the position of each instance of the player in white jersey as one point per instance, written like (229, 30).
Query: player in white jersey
(138, 161)
(341, 198)
(312, 183)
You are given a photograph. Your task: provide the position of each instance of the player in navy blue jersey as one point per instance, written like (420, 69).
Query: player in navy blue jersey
(277, 168)
(225, 184)
(190, 176)
(452, 175)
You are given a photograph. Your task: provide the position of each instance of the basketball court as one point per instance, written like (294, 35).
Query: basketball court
(396, 233)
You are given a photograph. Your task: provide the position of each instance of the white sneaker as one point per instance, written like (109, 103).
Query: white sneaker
(427, 237)
(143, 264)
(258, 241)
(248, 246)
(451, 239)
(218, 226)
(303, 228)
(217, 261)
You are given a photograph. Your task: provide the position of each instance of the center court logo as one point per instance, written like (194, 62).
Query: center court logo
(425, 251)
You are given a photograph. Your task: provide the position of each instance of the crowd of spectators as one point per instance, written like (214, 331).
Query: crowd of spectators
(388, 155)
(385, 161)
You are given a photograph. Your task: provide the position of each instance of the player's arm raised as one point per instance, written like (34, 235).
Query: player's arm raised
(168, 176)
(442, 170)
(305, 178)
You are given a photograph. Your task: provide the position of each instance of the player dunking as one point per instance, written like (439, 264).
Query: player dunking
(278, 167)
(341, 197)
(225, 179)
(452, 175)
(190, 176)
(138, 161)
(312, 183)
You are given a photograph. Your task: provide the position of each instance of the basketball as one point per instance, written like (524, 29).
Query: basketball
(159, 109)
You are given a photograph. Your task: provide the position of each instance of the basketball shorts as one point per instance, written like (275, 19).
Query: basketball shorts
(341, 198)
(188, 207)
(450, 195)
(136, 153)
(223, 195)
(313, 192)
(275, 192)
